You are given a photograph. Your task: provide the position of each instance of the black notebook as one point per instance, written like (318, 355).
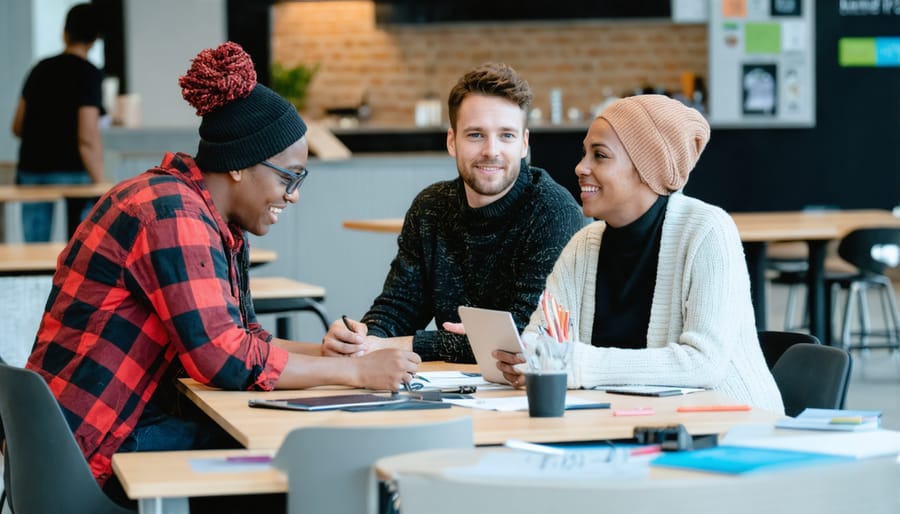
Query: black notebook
(314, 403)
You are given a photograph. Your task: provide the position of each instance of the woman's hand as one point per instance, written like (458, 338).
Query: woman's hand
(506, 363)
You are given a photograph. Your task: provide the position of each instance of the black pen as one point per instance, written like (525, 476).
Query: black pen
(346, 321)
(347, 324)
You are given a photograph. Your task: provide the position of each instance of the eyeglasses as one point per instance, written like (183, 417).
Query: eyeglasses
(294, 179)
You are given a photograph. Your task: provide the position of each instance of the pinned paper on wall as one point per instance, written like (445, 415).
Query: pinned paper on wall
(760, 89)
(734, 8)
(762, 38)
(793, 36)
(762, 64)
(787, 8)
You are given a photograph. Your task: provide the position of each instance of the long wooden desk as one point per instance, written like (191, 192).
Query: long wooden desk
(29, 258)
(266, 428)
(757, 229)
(168, 474)
(162, 481)
(74, 196)
(40, 258)
(52, 193)
(386, 225)
(282, 295)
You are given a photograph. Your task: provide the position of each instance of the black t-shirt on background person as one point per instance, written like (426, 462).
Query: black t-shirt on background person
(56, 88)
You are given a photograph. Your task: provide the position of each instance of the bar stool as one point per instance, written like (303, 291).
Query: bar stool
(872, 251)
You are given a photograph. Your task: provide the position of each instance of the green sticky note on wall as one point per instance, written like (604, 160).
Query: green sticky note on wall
(762, 38)
(856, 51)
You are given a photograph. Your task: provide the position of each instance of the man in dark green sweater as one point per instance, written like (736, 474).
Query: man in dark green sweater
(486, 239)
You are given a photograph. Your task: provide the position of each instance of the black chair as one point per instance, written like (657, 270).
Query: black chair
(871, 251)
(774, 343)
(44, 470)
(812, 375)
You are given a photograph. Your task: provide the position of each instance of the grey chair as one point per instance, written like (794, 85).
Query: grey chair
(812, 375)
(329, 469)
(44, 470)
(774, 343)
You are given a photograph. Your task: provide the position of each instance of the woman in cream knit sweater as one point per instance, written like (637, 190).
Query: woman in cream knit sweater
(658, 290)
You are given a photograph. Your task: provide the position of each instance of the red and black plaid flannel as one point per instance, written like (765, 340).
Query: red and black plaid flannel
(154, 273)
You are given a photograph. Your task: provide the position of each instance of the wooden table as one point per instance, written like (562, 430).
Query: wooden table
(386, 225)
(817, 229)
(282, 295)
(74, 196)
(40, 258)
(266, 428)
(163, 481)
(29, 258)
(757, 230)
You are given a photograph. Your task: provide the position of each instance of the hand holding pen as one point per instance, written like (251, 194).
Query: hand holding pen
(345, 338)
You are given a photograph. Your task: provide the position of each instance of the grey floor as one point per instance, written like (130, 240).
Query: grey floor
(875, 384)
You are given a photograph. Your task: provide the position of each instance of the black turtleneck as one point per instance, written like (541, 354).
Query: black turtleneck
(626, 277)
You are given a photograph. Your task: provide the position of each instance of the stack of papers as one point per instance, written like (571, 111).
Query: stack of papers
(447, 380)
(858, 445)
(833, 419)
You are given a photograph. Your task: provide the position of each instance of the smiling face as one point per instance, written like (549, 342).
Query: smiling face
(261, 193)
(488, 143)
(611, 188)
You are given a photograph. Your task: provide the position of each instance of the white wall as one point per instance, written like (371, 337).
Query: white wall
(30, 30)
(48, 24)
(161, 37)
(16, 50)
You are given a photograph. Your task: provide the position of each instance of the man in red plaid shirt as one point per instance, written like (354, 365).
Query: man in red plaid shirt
(155, 281)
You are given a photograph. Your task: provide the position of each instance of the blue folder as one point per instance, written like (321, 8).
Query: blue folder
(737, 459)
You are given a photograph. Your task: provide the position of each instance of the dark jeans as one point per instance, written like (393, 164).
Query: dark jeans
(157, 431)
(37, 217)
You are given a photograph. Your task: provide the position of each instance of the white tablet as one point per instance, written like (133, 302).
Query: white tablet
(490, 330)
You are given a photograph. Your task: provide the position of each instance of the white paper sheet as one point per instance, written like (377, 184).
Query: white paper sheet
(510, 404)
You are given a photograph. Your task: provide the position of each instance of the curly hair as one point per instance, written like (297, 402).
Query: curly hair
(493, 79)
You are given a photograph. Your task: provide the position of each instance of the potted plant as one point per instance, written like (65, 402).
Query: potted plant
(292, 83)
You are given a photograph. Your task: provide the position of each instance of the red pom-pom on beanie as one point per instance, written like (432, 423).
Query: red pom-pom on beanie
(243, 123)
(218, 76)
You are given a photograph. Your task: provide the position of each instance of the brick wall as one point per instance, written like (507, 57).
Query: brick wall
(399, 64)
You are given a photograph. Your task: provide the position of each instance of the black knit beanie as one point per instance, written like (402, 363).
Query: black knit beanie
(244, 123)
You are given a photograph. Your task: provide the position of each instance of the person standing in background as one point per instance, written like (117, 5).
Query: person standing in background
(58, 120)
